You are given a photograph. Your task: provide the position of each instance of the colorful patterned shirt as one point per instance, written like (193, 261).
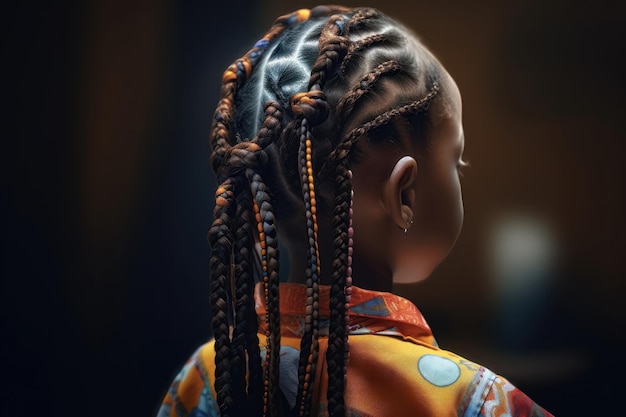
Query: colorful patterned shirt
(396, 368)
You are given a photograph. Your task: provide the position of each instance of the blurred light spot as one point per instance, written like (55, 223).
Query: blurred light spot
(522, 257)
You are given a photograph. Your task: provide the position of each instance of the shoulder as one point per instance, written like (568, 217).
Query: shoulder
(504, 398)
(437, 380)
(191, 391)
(489, 394)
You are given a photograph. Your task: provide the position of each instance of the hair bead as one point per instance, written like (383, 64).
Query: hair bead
(309, 344)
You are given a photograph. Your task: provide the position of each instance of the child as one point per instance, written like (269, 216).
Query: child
(340, 134)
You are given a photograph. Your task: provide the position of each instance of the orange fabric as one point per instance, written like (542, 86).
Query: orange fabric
(395, 368)
(370, 312)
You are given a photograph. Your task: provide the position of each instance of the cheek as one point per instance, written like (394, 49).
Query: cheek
(460, 210)
(455, 202)
(441, 218)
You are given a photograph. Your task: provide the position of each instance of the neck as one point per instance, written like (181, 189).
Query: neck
(367, 273)
(370, 271)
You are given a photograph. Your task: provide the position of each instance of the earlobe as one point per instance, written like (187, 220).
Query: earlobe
(400, 192)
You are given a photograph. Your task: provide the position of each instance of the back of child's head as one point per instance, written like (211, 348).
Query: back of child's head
(372, 65)
(285, 136)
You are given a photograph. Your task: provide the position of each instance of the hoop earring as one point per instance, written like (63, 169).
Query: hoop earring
(408, 224)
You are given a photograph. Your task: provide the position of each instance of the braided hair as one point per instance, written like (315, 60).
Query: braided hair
(284, 135)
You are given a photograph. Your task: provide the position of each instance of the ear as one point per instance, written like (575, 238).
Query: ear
(399, 191)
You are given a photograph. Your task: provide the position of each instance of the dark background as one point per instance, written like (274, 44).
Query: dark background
(106, 195)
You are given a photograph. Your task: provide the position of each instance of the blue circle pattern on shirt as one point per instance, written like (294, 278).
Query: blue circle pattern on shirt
(439, 371)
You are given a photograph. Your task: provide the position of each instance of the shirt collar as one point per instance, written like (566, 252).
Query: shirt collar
(370, 312)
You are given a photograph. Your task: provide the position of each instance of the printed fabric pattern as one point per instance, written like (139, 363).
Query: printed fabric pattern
(396, 367)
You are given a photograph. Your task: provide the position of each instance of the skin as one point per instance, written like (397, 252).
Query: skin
(402, 188)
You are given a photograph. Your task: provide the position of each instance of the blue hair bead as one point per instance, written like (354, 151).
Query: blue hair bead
(341, 25)
(261, 44)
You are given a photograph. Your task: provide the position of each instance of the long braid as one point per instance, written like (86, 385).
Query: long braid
(245, 330)
(245, 159)
(337, 355)
(264, 219)
(309, 342)
(337, 339)
(338, 351)
(245, 244)
(313, 109)
(339, 42)
(220, 239)
(269, 261)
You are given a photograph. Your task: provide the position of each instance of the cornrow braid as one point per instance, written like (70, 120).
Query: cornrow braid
(347, 103)
(361, 15)
(353, 136)
(358, 46)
